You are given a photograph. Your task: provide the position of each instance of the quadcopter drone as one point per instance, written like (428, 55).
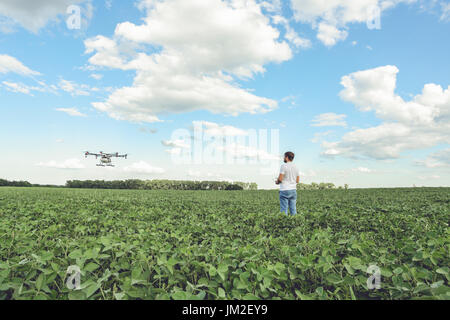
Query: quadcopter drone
(105, 158)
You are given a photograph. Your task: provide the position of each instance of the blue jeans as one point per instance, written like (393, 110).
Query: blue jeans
(288, 199)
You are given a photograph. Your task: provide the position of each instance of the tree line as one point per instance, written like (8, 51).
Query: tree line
(321, 186)
(6, 183)
(26, 184)
(165, 185)
(161, 185)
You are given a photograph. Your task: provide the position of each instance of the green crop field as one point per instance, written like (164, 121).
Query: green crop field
(224, 244)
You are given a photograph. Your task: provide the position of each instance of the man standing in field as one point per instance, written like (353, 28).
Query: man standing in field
(288, 180)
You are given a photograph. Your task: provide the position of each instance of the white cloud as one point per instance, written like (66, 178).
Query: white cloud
(291, 100)
(71, 112)
(293, 37)
(206, 176)
(143, 167)
(67, 164)
(240, 151)
(108, 4)
(6, 25)
(16, 87)
(332, 17)
(329, 120)
(27, 89)
(34, 15)
(420, 123)
(148, 130)
(330, 35)
(445, 11)
(204, 46)
(181, 144)
(96, 76)
(273, 6)
(70, 87)
(174, 151)
(363, 170)
(214, 129)
(319, 136)
(176, 146)
(73, 88)
(290, 34)
(194, 173)
(432, 177)
(308, 174)
(10, 64)
(438, 159)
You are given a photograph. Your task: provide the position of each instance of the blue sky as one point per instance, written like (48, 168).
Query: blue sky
(362, 106)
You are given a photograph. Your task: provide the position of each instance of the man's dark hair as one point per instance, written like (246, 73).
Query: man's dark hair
(290, 155)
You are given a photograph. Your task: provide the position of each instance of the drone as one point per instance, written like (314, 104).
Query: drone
(105, 158)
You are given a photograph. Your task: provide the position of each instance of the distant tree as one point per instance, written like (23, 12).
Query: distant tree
(234, 187)
(253, 186)
(6, 183)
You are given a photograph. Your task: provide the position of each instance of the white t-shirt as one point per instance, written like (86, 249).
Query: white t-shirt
(290, 172)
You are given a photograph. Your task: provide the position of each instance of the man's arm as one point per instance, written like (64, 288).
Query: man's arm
(298, 179)
(280, 179)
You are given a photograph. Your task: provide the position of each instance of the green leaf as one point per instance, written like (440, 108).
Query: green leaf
(386, 273)
(398, 270)
(303, 296)
(90, 267)
(334, 279)
(212, 271)
(222, 270)
(40, 281)
(119, 295)
(349, 269)
(77, 295)
(91, 289)
(76, 254)
(221, 293)
(279, 268)
(352, 294)
(180, 295)
(201, 295)
(444, 271)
